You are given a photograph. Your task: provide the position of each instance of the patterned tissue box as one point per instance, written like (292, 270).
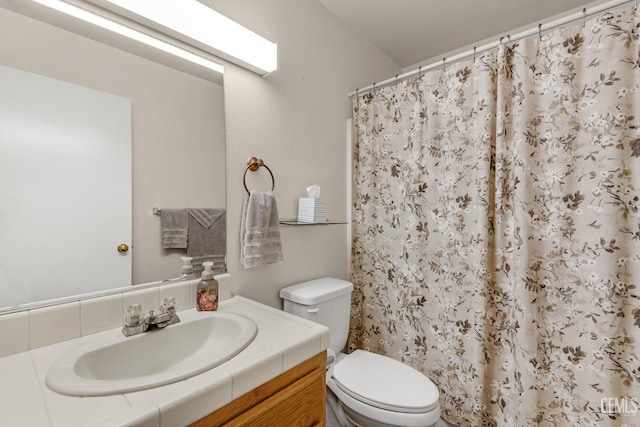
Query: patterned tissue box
(312, 210)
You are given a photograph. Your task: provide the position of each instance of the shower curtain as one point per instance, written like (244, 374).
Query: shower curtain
(496, 233)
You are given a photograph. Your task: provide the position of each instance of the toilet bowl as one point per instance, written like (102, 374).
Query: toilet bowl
(363, 389)
(377, 391)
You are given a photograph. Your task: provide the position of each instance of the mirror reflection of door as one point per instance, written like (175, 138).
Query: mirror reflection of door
(65, 166)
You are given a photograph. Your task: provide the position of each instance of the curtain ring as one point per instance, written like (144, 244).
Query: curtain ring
(396, 80)
(509, 40)
(540, 31)
(357, 93)
(374, 88)
(444, 63)
(474, 53)
(420, 72)
(584, 17)
(501, 38)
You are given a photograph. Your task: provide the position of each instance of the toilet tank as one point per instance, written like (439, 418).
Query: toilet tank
(326, 301)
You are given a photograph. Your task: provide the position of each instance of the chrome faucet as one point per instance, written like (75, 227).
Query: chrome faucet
(135, 323)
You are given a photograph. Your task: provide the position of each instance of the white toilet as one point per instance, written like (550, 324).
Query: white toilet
(364, 389)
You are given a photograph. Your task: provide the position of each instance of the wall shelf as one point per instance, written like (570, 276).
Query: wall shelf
(295, 222)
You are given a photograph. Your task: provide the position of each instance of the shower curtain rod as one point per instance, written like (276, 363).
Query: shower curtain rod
(476, 50)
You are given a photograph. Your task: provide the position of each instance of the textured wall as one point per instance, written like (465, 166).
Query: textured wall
(295, 119)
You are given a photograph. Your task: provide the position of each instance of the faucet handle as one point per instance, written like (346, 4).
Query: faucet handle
(133, 316)
(168, 305)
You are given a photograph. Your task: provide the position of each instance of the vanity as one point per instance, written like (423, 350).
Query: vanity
(294, 398)
(278, 379)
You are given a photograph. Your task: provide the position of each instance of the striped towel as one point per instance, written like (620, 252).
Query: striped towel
(260, 230)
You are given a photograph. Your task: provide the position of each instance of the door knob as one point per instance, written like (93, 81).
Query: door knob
(123, 248)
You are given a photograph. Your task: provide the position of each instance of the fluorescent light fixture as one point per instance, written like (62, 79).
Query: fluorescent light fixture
(200, 23)
(107, 24)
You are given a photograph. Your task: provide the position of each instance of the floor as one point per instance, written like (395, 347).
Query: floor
(442, 423)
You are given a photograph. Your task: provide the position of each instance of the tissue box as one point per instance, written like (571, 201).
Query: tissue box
(312, 210)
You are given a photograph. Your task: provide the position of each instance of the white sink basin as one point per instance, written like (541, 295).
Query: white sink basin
(113, 364)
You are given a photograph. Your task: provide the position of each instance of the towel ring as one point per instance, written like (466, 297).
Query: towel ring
(254, 164)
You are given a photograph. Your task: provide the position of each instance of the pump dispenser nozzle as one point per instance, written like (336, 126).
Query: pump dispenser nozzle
(186, 271)
(207, 273)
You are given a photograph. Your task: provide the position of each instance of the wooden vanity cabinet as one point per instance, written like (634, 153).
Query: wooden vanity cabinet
(295, 398)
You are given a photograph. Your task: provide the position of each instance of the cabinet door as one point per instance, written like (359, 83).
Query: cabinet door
(302, 404)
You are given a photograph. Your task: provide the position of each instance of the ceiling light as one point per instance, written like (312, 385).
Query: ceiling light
(214, 32)
(130, 33)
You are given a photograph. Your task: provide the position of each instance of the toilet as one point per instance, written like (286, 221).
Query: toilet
(363, 389)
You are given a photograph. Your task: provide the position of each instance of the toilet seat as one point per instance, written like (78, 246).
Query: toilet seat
(385, 383)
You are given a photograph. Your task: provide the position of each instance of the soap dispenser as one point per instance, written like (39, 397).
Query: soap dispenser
(207, 297)
(186, 271)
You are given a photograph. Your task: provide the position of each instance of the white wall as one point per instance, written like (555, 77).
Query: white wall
(177, 124)
(294, 119)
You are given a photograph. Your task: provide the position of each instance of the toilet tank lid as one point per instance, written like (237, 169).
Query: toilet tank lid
(316, 291)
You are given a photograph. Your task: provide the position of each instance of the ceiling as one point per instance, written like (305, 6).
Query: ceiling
(412, 31)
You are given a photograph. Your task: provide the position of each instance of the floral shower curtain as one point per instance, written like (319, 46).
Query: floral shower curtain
(496, 233)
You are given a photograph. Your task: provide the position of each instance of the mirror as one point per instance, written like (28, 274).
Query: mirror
(177, 136)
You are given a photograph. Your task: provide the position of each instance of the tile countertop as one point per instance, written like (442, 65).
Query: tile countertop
(283, 341)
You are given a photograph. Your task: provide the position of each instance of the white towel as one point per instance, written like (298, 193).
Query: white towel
(260, 230)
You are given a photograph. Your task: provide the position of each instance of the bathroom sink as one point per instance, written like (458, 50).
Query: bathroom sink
(113, 364)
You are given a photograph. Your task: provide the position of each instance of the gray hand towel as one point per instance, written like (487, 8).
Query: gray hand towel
(205, 217)
(174, 225)
(207, 238)
(260, 230)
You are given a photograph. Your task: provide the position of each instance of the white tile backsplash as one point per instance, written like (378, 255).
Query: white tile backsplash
(14, 333)
(100, 314)
(148, 298)
(184, 299)
(53, 324)
(38, 327)
(224, 283)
